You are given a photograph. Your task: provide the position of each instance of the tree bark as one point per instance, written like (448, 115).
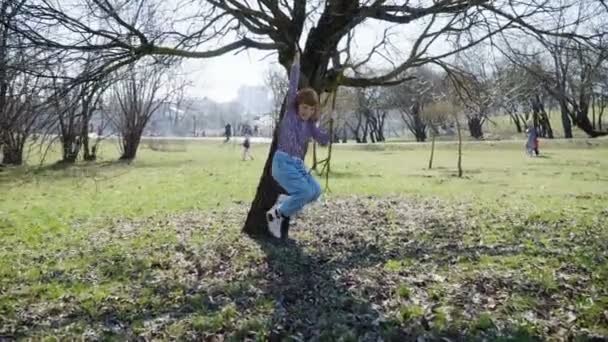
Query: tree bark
(314, 156)
(89, 152)
(364, 135)
(566, 123)
(432, 149)
(266, 194)
(419, 129)
(582, 122)
(515, 119)
(372, 131)
(381, 121)
(130, 145)
(12, 154)
(459, 148)
(71, 148)
(593, 104)
(475, 127)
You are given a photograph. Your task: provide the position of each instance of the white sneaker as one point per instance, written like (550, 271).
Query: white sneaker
(274, 220)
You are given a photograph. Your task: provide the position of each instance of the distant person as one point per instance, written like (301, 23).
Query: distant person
(246, 148)
(532, 142)
(227, 133)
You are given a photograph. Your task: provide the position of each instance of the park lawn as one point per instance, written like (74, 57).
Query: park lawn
(516, 248)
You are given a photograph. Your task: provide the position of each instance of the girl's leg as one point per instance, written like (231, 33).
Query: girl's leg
(300, 185)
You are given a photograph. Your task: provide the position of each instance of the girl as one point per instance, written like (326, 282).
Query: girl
(296, 128)
(246, 147)
(532, 142)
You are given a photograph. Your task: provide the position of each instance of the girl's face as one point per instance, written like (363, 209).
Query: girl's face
(306, 111)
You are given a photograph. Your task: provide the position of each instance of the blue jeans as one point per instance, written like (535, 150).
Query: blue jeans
(291, 174)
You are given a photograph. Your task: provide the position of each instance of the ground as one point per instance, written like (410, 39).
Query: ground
(515, 250)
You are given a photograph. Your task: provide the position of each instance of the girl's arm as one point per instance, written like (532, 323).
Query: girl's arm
(294, 78)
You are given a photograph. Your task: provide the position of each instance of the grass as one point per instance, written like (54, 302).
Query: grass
(153, 248)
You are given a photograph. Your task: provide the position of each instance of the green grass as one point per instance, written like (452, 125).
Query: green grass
(153, 248)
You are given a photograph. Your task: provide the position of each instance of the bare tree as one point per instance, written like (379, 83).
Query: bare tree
(277, 26)
(457, 93)
(346, 105)
(411, 98)
(19, 116)
(136, 98)
(371, 112)
(356, 121)
(436, 114)
(21, 90)
(73, 107)
(458, 127)
(514, 86)
(573, 66)
(600, 100)
(277, 82)
(69, 121)
(478, 94)
(522, 97)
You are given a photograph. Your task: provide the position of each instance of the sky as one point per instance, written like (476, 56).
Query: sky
(219, 78)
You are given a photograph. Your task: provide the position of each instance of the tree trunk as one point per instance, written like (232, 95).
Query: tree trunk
(459, 148)
(541, 119)
(358, 130)
(515, 119)
(314, 156)
(582, 122)
(89, 152)
(593, 104)
(475, 127)
(266, 194)
(414, 122)
(432, 149)
(130, 145)
(71, 148)
(419, 130)
(11, 154)
(372, 131)
(545, 125)
(381, 121)
(567, 124)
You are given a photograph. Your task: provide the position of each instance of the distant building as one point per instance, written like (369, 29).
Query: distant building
(254, 99)
(265, 124)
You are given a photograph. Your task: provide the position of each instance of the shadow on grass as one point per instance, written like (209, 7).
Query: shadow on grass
(61, 170)
(315, 297)
(328, 285)
(339, 175)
